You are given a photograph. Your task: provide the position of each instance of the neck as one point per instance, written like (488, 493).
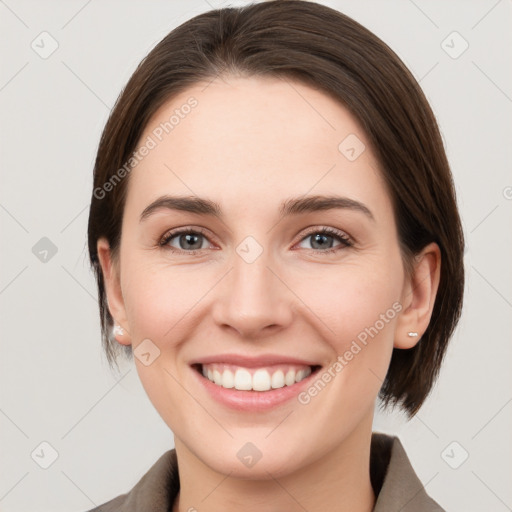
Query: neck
(339, 481)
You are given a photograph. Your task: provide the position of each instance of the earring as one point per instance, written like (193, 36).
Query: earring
(118, 330)
(412, 334)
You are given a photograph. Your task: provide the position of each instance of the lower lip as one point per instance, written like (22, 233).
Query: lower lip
(253, 400)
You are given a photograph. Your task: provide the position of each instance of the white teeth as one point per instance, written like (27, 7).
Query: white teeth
(228, 379)
(243, 380)
(261, 379)
(277, 379)
(289, 378)
(217, 377)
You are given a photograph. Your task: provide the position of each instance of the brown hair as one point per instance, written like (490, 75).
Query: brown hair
(327, 50)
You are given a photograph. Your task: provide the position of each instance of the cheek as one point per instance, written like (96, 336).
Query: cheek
(350, 300)
(358, 311)
(159, 297)
(358, 306)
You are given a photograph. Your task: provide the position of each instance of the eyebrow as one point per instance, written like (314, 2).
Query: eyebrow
(292, 206)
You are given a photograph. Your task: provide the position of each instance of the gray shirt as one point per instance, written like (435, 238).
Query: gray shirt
(396, 486)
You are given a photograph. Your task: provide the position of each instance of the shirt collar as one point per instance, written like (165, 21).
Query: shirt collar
(394, 481)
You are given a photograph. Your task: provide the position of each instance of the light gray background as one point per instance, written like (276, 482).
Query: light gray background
(55, 385)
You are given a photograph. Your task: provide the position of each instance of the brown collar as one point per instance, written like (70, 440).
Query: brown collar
(394, 481)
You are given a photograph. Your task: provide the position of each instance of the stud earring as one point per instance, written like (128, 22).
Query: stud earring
(412, 334)
(118, 330)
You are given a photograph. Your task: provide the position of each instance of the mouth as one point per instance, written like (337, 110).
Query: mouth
(253, 384)
(259, 379)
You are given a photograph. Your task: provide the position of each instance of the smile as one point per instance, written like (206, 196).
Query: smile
(261, 379)
(253, 384)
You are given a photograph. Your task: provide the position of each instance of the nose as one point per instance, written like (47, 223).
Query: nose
(253, 300)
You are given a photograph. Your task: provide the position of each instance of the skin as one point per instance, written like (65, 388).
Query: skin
(250, 144)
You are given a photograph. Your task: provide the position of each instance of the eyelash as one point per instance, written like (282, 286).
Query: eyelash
(342, 237)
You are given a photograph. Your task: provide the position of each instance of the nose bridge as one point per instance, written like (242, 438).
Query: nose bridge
(252, 297)
(252, 280)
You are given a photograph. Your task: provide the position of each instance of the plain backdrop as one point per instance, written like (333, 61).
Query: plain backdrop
(63, 66)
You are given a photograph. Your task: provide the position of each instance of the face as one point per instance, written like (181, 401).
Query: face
(277, 288)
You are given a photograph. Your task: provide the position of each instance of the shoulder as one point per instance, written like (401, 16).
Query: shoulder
(155, 491)
(398, 486)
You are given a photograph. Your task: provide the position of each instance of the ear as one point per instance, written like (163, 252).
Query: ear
(111, 278)
(418, 296)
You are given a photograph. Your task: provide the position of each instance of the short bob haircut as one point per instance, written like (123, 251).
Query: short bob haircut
(320, 47)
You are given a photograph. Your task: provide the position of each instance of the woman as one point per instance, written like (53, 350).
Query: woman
(276, 240)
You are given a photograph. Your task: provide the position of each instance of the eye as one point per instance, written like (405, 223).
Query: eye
(192, 241)
(184, 240)
(322, 240)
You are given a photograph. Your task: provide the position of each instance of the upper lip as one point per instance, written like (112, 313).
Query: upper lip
(252, 362)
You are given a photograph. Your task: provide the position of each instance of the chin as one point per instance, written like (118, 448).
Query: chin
(252, 461)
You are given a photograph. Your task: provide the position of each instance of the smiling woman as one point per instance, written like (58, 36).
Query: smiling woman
(280, 256)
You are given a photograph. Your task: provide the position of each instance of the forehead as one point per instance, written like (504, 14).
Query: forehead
(252, 139)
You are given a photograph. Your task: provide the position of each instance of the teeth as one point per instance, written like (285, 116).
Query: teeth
(260, 379)
(298, 377)
(228, 379)
(217, 377)
(243, 380)
(289, 378)
(277, 379)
